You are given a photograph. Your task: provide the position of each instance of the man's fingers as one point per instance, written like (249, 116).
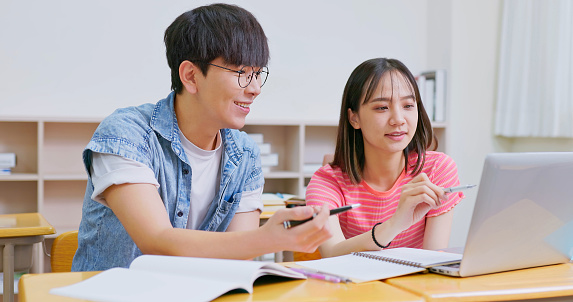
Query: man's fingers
(296, 213)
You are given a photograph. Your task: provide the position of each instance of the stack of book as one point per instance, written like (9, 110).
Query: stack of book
(276, 201)
(432, 86)
(268, 158)
(7, 162)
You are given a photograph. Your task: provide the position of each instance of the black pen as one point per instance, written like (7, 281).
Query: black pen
(290, 223)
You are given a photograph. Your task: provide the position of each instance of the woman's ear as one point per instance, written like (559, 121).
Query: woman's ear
(353, 119)
(188, 75)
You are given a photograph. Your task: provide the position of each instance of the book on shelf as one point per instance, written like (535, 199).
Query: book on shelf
(270, 160)
(5, 171)
(432, 87)
(265, 148)
(171, 278)
(273, 208)
(440, 96)
(377, 265)
(7, 160)
(256, 137)
(428, 98)
(310, 168)
(276, 198)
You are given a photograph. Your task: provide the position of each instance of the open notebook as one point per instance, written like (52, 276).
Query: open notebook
(376, 265)
(169, 278)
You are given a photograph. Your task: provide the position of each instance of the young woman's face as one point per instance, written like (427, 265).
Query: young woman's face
(388, 119)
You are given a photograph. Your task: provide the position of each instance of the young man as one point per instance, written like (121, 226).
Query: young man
(174, 178)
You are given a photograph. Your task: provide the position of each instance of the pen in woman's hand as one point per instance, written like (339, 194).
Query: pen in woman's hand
(458, 188)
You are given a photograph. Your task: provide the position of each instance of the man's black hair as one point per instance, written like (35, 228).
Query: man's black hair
(217, 30)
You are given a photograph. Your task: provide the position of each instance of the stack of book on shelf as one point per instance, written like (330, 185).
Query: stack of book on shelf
(268, 159)
(7, 162)
(310, 168)
(432, 86)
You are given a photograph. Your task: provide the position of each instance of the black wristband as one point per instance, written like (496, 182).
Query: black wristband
(374, 237)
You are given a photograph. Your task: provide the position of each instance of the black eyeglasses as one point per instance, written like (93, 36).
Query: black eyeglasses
(246, 75)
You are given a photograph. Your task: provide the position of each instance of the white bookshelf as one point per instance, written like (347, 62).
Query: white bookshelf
(49, 176)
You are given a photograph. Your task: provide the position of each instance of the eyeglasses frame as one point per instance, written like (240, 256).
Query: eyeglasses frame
(241, 72)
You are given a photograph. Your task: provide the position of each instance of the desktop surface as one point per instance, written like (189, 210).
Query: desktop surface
(552, 281)
(24, 224)
(36, 287)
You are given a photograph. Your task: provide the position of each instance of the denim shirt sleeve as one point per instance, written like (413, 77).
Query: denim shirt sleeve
(255, 177)
(124, 133)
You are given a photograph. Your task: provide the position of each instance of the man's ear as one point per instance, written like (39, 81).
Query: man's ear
(188, 73)
(353, 119)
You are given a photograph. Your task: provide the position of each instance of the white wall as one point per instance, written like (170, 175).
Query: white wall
(86, 58)
(74, 58)
(473, 79)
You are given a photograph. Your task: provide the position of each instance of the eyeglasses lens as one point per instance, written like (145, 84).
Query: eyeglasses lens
(247, 73)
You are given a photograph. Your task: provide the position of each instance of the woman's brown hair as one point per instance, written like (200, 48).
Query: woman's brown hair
(361, 85)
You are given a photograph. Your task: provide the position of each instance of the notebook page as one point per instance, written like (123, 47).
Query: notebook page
(217, 269)
(426, 258)
(120, 284)
(358, 268)
(169, 278)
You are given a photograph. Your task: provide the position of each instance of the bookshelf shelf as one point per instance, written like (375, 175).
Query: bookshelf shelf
(69, 176)
(19, 177)
(281, 174)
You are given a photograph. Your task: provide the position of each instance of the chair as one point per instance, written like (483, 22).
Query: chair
(63, 251)
(300, 256)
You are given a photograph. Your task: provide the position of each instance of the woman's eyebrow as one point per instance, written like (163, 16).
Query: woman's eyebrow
(388, 99)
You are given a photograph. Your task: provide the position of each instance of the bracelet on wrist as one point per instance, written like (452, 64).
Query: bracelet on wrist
(374, 237)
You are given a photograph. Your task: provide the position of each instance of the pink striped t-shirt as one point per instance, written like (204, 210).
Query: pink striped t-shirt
(331, 186)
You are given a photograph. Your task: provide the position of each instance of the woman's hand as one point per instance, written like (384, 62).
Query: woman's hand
(418, 197)
(305, 237)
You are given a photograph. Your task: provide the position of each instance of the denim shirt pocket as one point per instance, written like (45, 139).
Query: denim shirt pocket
(224, 213)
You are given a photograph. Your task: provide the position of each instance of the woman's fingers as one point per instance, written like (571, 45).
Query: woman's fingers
(436, 193)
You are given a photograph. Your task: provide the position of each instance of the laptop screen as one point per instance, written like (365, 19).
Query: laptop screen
(523, 215)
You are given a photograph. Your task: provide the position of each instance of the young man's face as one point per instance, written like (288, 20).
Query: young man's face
(223, 98)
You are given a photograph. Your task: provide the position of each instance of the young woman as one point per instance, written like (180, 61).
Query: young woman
(381, 162)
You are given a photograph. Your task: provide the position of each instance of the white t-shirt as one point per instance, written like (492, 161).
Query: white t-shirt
(110, 169)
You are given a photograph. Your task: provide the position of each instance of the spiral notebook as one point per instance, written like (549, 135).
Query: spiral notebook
(377, 265)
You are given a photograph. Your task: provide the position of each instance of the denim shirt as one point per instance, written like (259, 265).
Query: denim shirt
(149, 134)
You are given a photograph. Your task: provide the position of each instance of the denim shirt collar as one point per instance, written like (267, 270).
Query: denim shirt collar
(164, 122)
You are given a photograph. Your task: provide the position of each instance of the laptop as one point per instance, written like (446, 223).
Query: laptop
(523, 215)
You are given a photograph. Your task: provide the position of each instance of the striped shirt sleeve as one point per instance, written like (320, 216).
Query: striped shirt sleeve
(324, 188)
(444, 173)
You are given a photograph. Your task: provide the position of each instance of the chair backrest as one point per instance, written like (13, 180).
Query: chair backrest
(300, 256)
(63, 251)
